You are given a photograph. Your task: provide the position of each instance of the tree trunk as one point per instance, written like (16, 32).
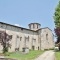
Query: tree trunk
(4, 48)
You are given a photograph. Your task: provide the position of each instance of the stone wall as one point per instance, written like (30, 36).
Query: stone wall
(22, 37)
(19, 36)
(47, 40)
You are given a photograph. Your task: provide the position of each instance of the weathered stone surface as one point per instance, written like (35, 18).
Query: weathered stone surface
(23, 37)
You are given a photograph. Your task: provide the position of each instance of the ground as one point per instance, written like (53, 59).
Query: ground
(48, 55)
(57, 55)
(21, 56)
(35, 55)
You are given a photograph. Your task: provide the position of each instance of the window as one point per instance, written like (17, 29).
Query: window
(37, 26)
(38, 47)
(17, 42)
(20, 38)
(46, 36)
(33, 26)
(33, 47)
(26, 41)
(16, 49)
(33, 41)
(29, 26)
(27, 38)
(17, 36)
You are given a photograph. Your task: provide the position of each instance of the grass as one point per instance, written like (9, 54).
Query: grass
(30, 56)
(57, 54)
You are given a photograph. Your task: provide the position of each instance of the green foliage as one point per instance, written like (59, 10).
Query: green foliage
(57, 22)
(57, 15)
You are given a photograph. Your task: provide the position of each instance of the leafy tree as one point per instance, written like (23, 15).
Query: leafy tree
(57, 23)
(4, 40)
(57, 16)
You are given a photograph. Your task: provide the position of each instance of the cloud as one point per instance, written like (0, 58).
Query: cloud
(17, 25)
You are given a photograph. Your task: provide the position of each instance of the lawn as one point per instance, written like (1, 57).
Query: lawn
(30, 56)
(57, 54)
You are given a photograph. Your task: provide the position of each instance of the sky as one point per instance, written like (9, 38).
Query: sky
(23, 12)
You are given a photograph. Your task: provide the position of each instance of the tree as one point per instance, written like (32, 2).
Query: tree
(4, 40)
(57, 23)
(57, 16)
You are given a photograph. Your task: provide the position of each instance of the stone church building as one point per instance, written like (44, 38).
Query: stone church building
(34, 38)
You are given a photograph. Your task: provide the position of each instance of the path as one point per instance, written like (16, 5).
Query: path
(2, 57)
(48, 55)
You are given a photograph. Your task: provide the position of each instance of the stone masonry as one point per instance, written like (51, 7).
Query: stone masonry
(34, 38)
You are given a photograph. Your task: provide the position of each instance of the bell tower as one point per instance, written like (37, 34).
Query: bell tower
(34, 26)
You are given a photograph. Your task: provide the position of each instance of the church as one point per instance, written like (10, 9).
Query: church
(33, 38)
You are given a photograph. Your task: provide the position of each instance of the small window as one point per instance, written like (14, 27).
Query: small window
(17, 36)
(46, 36)
(33, 47)
(16, 49)
(37, 26)
(27, 38)
(38, 47)
(20, 38)
(29, 26)
(33, 26)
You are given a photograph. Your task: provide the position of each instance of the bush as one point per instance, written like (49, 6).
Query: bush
(56, 49)
(46, 49)
(7, 54)
(51, 48)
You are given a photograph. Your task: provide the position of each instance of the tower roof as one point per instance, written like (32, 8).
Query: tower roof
(34, 23)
